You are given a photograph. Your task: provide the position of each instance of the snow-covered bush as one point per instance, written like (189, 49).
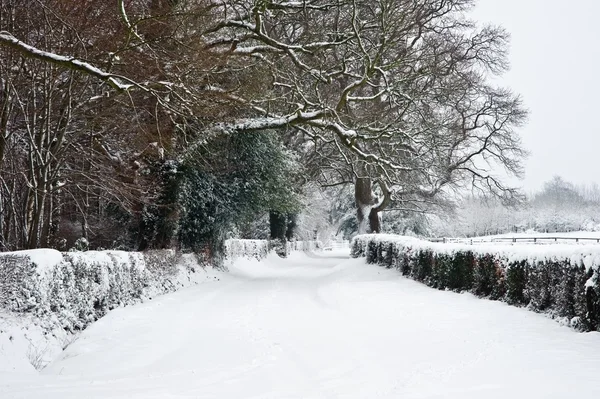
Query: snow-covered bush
(259, 249)
(18, 279)
(561, 280)
(251, 249)
(77, 288)
(21, 277)
(309, 245)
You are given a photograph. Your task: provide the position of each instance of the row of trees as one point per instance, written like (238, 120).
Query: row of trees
(172, 122)
(559, 206)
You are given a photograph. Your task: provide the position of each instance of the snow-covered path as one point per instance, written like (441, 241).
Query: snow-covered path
(323, 326)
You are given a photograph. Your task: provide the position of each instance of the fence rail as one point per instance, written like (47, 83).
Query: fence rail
(531, 240)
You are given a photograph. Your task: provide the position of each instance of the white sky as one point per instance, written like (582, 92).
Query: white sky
(555, 65)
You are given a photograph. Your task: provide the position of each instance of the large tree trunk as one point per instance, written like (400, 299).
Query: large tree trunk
(368, 206)
(278, 225)
(363, 196)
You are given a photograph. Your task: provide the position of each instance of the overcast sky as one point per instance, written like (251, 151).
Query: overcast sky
(555, 66)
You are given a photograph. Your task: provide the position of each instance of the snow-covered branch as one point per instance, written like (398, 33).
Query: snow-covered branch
(117, 82)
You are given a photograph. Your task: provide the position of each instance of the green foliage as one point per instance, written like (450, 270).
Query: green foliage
(488, 277)
(231, 180)
(440, 270)
(516, 282)
(460, 271)
(544, 280)
(371, 252)
(388, 256)
(159, 222)
(423, 265)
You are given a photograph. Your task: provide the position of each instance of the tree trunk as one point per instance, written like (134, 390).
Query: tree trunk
(374, 221)
(292, 224)
(368, 206)
(278, 224)
(363, 196)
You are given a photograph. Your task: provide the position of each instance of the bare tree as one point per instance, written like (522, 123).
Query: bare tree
(393, 94)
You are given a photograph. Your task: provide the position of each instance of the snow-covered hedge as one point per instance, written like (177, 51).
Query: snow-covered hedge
(76, 288)
(253, 249)
(259, 249)
(562, 280)
(305, 246)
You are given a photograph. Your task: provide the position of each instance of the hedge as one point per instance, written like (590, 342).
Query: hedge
(76, 288)
(560, 280)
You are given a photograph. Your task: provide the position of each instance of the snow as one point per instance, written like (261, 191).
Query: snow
(543, 238)
(27, 342)
(316, 326)
(45, 259)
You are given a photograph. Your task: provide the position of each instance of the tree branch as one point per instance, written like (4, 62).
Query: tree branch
(117, 82)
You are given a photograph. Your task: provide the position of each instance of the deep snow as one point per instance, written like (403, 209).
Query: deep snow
(317, 326)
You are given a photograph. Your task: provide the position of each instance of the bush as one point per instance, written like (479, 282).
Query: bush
(516, 282)
(561, 282)
(83, 286)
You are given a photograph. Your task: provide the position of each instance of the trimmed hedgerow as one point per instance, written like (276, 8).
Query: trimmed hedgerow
(80, 287)
(559, 284)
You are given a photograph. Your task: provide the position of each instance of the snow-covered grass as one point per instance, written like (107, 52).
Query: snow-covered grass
(318, 326)
(29, 343)
(562, 280)
(585, 237)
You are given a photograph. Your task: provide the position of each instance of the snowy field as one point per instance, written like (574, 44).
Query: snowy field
(585, 237)
(317, 326)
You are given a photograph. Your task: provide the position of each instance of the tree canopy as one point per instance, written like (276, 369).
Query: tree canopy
(105, 105)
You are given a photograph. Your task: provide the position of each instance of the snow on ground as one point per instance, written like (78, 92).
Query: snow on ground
(586, 237)
(27, 343)
(317, 326)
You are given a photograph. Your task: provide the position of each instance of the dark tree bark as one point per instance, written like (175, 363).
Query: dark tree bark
(278, 224)
(292, 224)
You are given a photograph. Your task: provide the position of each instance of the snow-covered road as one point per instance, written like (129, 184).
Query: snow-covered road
(320, 326)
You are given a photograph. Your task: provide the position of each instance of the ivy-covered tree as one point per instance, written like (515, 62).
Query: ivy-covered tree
(230, 180)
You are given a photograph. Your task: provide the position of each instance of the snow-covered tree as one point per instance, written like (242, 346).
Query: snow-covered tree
(389, 93)
(391, 96)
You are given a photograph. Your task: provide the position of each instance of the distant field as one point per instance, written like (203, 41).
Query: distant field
(576, 237)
